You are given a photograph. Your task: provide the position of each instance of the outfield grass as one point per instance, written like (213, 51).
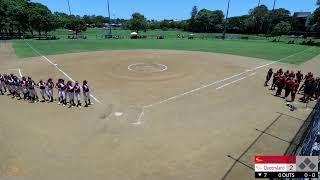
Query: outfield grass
(257, 49)
(91, 33)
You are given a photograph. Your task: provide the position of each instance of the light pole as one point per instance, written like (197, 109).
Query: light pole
(69, 7)
(259, 3)
(226, 21)
(110, 28)
(272, 16)
(274, 5)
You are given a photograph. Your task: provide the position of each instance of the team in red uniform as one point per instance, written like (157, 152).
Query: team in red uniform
(15, 86)
(290, 83)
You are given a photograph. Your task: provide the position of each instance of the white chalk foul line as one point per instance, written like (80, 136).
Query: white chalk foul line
(216, 82)
(55, 65)
(19, 70)
(20, 73)
(232, 82)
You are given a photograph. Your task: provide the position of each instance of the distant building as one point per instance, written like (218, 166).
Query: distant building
(113, 25)
(300, 21)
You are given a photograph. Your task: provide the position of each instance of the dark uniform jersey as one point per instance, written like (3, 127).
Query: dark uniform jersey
(77, 88)
(85, 88)
(42, 85)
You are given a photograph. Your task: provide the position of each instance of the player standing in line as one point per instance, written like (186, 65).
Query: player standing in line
(294, 90)
(287, 74)
(63, 92)
(50, 86)
(7, 84)
(3, 82)
(288, 87)
(24, 86)
(11, 85)
(306, 78)
(275, 80)
(86, 93)
(58, 86)
(77, 93)
(1, 85)
(17, 87)
(70, 92)
(308, 89)
(269, 75)
(299, 77)
(280, 84)
(32, 90)
(42, 87)
(292, 75)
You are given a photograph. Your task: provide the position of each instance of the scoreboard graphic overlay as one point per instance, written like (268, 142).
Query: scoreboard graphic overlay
(286, 166)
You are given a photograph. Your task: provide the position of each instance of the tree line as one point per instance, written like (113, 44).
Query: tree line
(25, 17)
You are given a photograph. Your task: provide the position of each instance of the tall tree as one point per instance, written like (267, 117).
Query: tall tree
(76, 24)
(208, 21)
(280, 29)
(194, 11)
(258, 20)
(41, 18)
(138, 22)
(279, 15)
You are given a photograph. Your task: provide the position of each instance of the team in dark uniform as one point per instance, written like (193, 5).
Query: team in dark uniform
(290, 83)
(14, 87)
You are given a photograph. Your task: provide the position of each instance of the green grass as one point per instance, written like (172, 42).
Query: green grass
(258, 49)
(91, 33)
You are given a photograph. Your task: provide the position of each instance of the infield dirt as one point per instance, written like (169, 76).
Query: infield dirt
(186, 137)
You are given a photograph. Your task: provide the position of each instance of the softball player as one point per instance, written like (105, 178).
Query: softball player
(1, 84)
(77, 93)
(58, 86)
(6, 82)
(24, 85)
(32, 91)
(42, 87)
(86, 93)
(63, 92)
(70, 92)
(17, 87)
(11, 85)
(50, 86)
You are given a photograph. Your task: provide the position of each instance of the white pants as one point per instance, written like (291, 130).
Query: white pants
(59, 93)
(42, 92)
(78, 96)
(11, 87)
(63, 94)
(17, 89)
(25, 91)
(32, 92)
(86, 96)
(50, 92)
(71, 95)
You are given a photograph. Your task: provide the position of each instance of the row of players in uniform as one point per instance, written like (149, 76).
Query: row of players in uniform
(14, 86)
(290, 82)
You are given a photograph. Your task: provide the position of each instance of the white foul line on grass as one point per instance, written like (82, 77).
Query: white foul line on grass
(139, 122)
(56, 66)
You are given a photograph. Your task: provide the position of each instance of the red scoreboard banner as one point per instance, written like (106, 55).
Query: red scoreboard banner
(286, 166)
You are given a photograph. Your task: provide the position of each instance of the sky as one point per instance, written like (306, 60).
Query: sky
(168, 9)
